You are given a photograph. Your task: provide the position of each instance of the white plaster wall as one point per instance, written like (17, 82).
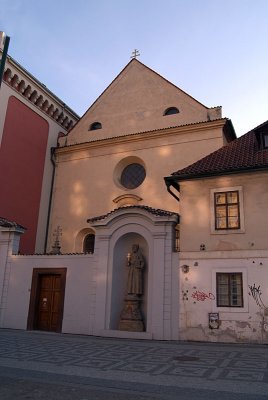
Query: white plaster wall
(9, 244)
(198, 297)
(77, 292)
(91, 303)
(4, 269)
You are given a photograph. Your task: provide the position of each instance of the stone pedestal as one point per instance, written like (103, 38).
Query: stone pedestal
(131, 318)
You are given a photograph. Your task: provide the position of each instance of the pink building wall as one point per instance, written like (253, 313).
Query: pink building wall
(22, 159)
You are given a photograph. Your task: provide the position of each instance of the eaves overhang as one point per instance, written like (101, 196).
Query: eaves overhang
(137, 136)
(175, 179)
(42, 87)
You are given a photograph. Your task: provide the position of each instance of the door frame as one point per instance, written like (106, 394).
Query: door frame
(34, 297)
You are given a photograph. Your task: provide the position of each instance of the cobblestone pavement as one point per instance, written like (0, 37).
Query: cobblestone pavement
(148, 366)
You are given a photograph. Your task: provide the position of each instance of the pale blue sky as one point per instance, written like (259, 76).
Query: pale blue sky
(215, 50)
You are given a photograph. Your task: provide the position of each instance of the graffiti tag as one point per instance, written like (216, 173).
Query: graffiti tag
(202, 296)
(255, 292)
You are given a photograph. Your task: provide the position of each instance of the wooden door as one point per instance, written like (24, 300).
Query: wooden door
(48, 312)
(47, 299)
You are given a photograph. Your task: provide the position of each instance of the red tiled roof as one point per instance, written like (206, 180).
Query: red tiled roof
(239, 155)
(154, 211)
(9, 224)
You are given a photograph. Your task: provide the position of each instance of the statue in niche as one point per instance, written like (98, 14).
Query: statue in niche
(131, 317)
(135, 262)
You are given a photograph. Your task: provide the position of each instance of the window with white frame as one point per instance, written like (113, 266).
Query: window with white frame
(229, 289)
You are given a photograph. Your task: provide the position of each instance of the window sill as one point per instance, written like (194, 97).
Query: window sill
(230, 310)
(227, 231)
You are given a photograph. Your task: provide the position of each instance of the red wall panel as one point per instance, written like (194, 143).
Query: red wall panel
(22, 160)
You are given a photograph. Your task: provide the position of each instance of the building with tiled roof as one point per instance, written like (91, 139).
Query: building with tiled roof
(223, 240)
(247, 153)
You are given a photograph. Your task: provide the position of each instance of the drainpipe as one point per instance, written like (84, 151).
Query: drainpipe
(52, 159)
(169, 181)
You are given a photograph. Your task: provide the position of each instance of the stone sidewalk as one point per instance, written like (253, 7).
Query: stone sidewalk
(143, 367)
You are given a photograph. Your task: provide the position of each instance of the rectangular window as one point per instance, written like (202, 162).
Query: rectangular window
(176, 238)
(227, 214)
(229, 290)
(265, 140)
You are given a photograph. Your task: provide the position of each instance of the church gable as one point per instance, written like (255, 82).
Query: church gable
(138, 100)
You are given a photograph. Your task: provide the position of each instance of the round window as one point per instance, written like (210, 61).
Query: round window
(132, 176)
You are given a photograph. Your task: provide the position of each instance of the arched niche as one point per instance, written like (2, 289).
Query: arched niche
(122, 247)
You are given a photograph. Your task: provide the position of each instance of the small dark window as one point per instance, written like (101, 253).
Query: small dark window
(265, 140)
(89, 243)
(176, 238)
(132, 176)
(229, 290)
(171, 110)
(94, 126)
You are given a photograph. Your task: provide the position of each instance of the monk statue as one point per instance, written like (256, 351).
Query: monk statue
(135, 268)
(131, 318)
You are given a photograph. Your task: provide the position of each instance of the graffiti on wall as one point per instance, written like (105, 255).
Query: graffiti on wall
(197, 295)
(202, 296)
(256, 293)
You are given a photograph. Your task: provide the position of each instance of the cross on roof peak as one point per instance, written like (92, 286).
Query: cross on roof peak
(135, 53)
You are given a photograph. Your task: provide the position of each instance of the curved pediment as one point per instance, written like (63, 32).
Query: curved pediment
(146, 212)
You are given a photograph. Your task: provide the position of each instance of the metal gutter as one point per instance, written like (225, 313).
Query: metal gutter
(178, 178)
(171, 182)
(52, 159)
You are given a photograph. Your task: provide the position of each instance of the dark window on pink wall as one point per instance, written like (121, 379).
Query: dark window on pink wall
(22, 160)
